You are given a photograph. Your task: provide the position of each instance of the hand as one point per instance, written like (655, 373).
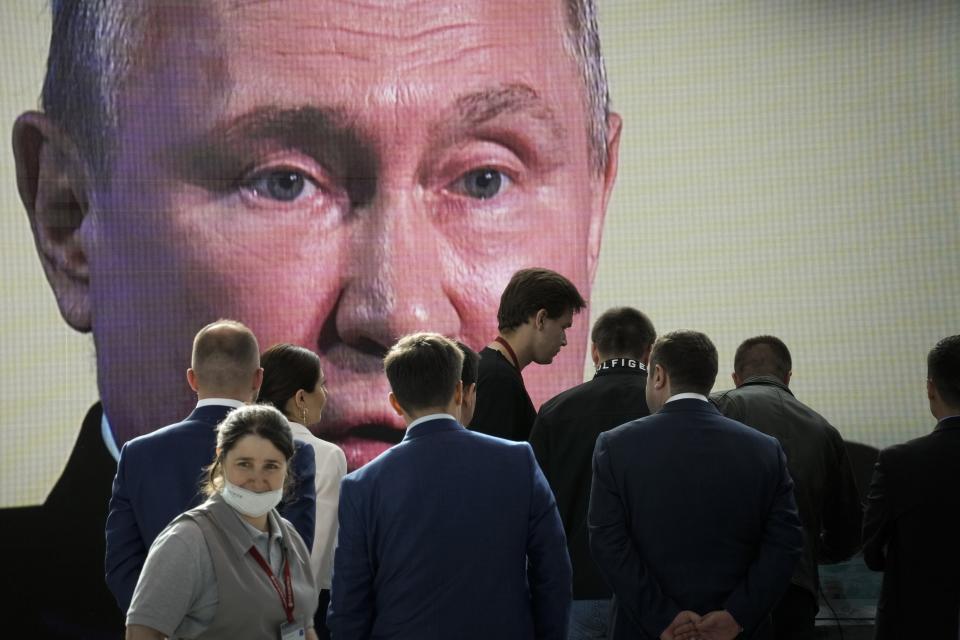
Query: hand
(683, 627)
(718, 625)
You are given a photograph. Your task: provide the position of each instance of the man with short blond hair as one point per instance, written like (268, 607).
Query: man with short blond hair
(451, 533)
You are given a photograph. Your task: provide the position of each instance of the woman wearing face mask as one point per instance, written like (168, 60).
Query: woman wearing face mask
(232, 567)
(293, 382)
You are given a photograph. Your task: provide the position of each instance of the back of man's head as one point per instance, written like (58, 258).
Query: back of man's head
(763, 356)
(468, 375)
(423, 370)
(623, 332)
(471, 365)
(689, 360)
(530, 290)
(225, 359)
(943, 371)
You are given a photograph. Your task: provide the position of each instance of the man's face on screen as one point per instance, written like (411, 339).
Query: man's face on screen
(336, 175)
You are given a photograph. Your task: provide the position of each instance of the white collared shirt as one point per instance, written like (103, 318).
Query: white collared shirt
(106, 431)
(687, 396)
(432, 416)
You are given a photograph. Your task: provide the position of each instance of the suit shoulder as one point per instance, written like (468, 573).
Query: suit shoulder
(163, 434)
(906, 452)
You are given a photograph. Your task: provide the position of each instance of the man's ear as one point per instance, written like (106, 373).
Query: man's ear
(594, 354)
(192, 379)
(659, 377)
(396, 405)
(736, 379)
(602, 197)
(257, 383)
(52, 181)
(539, 319)
(786, 379)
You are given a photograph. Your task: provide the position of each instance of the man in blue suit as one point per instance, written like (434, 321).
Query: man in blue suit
(692, 517)
(451, 533)
(159, 474)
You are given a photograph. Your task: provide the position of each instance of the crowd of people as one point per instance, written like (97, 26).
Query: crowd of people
(633, 505)
(341, 175)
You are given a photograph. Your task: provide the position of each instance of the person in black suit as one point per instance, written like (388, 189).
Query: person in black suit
(912, 521)
(692, 517)
(536, 309)
(824, 484)
(565, 433)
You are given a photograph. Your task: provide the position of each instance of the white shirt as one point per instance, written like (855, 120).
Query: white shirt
(331, 467)
(687, 396)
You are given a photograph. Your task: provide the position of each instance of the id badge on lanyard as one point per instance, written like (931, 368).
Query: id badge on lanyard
(292, 631)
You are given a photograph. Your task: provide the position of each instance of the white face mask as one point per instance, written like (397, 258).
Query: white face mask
(250, 503)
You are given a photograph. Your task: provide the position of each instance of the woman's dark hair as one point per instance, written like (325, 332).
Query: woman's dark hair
(251, 420)
(287, 368)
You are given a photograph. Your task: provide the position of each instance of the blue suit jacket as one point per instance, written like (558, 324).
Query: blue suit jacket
(691, 510)
(450, 534)
(159, 477)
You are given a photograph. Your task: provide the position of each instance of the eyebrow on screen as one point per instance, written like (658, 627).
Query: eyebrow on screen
(480, 107)
(307, 126)
(323, 132)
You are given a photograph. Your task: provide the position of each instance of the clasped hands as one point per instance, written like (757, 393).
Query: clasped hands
(689, 625)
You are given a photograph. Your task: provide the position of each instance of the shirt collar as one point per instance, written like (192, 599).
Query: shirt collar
(687, 396)
(620, 365)
(432, 416)
(110, 442)
(226, 402)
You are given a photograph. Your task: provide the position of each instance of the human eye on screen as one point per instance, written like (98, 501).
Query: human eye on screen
(282, 184)
(482, 183)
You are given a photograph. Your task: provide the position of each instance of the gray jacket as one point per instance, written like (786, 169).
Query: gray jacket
(824, 484)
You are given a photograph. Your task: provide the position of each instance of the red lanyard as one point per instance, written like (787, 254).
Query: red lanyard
(513, 356)
(285, 601)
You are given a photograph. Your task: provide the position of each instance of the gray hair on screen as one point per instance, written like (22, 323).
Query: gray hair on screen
(94, 44)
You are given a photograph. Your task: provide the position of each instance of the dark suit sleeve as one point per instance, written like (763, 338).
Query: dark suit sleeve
(548, 563)
(351, 610)
(769, 574)
(877, 520)
(126, 552)
(301, 507)
(638, 593)
(842, 512)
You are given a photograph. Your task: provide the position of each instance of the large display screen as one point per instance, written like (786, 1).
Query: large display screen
(772, 168)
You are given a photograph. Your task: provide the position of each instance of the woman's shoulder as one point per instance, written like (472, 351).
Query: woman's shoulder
(181, 544)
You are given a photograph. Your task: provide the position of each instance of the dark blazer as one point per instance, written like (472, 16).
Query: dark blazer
(504, 408)
(449, 534)
(53, 553)
(691, 510)
(911, 532)
(563, 437)
(159, 477)
(823, 481)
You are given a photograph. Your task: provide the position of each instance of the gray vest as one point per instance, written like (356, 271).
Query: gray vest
(248, 605)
